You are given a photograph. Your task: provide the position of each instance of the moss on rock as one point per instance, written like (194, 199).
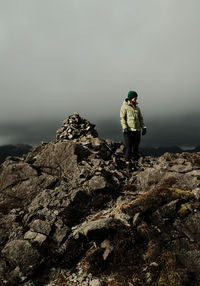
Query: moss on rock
(169, 276)
(185, 209)
(157, 197)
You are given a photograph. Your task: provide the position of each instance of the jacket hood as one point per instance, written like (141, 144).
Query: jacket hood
(126, 102)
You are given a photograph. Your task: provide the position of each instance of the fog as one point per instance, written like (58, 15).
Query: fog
(59, 57)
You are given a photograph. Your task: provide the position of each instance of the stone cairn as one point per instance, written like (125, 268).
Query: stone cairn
(75, 127)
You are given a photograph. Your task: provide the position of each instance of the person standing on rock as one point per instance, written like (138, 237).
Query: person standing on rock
(132, 124)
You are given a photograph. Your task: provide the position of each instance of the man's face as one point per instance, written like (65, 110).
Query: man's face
(133, 100)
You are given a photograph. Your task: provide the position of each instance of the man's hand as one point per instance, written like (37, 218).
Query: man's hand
(144, 131)
(125, 130)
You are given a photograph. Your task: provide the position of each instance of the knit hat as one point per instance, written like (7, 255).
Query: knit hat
(132, 94)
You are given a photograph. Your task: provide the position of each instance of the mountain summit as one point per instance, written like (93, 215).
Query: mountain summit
(71, 215)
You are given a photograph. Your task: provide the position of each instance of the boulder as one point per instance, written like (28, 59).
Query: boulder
(20, 253)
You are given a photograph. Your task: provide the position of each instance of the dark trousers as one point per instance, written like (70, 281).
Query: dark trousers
(132, 141)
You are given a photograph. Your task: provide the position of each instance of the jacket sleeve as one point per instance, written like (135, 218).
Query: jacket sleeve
(123, 115)
(141, 120)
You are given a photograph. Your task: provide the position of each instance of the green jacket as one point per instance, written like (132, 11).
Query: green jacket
(131, 118)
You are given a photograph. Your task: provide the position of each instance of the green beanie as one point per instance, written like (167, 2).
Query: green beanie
(132, 94)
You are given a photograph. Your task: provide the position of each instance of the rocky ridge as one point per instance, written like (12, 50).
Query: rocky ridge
(70, 214)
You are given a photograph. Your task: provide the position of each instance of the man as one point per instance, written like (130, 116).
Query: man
(132, 124)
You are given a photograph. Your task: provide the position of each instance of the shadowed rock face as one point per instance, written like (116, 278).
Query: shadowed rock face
(70, 214)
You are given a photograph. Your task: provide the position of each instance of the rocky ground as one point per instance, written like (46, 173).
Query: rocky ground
(70, 214)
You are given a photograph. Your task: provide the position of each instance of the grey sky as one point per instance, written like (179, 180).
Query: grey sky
(62, 56)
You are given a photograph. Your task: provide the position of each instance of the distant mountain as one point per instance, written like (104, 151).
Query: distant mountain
(197, 149)
(156, 152)
(13, 150)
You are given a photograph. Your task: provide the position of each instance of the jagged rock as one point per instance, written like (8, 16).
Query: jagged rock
(97, 228)
(108, 248)
(60, 159)
(35, 237)
(20, 253)
(168, 210)
(71, 215)
(96, 282)
(162, 173)
(137, 219)
(98, 183)
(40, 226)
(12, 172)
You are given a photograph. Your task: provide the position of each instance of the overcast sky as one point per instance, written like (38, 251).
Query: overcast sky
(62, 56)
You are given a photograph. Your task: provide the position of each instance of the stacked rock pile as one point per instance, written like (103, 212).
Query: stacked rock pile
(76, 127)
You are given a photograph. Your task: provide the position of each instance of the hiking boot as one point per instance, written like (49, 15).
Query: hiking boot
(136, 166)
(128, 166)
